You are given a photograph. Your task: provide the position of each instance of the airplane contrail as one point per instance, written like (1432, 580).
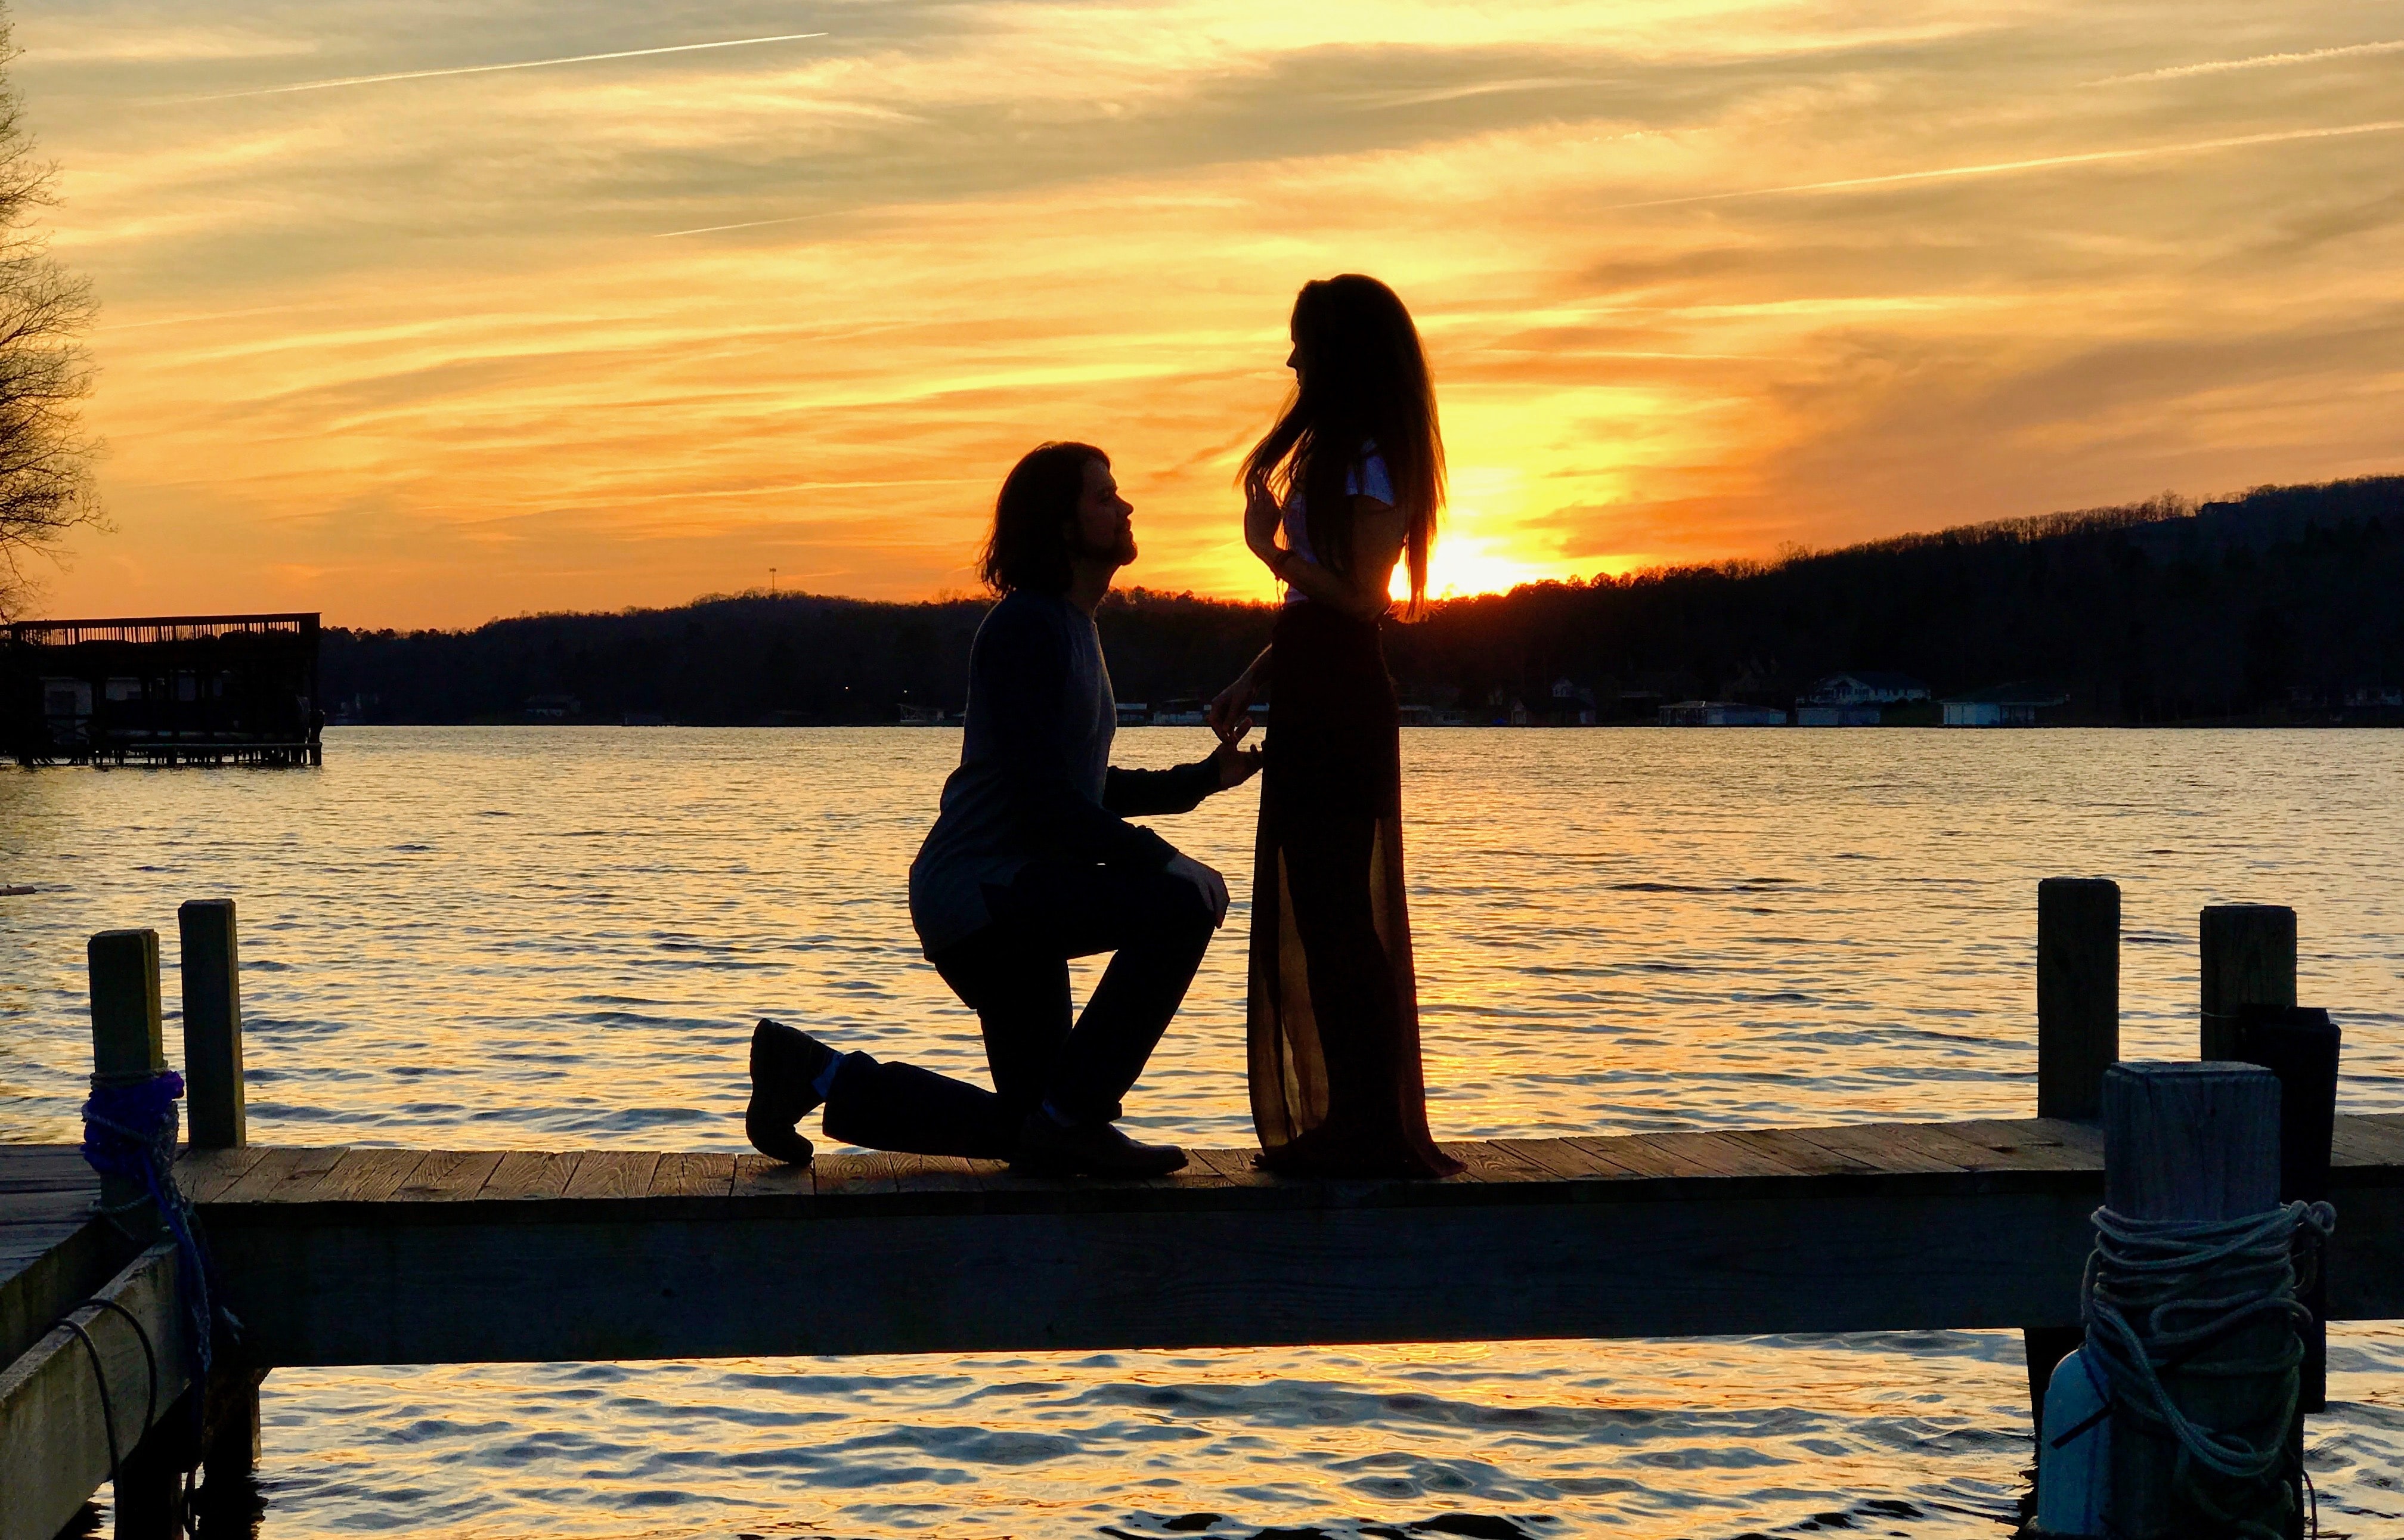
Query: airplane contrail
(2261, 60)
(1994, 168)
(487, 69)
(748, 224)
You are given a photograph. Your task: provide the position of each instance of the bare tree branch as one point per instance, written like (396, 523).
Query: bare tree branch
(46, 480)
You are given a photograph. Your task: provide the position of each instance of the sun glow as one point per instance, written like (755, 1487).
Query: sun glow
(1464, 562)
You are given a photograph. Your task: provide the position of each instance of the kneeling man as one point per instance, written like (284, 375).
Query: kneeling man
(1032, 863)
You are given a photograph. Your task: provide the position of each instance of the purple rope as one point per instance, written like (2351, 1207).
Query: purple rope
(129, 1130)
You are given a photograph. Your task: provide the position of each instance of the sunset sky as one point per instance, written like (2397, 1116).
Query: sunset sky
(1697, 279)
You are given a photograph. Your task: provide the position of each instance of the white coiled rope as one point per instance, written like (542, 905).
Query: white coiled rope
(2159, 1294)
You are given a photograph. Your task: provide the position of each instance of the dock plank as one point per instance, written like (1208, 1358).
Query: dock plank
(1570, 1159)
(1805, 1157)
(531, 1175)
(1897, 1147)
(2032, 1145)
(2374, 1140)
(366, 1176)
(1690, 1155)
(1235, 1168)
(613, 1173)
(917, 1174)
(206, 1175)
(282, 1176)
(448, 1176)
(705, 1175)
(851, 1175)
(44, 1168)
(757, 1176)
(1483, 1160)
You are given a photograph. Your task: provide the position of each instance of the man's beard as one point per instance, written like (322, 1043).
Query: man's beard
(1119, 552)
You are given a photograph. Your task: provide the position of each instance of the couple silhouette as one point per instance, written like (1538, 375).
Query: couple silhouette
(1032, 863)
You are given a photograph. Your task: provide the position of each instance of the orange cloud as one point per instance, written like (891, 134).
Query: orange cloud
(1697, 280)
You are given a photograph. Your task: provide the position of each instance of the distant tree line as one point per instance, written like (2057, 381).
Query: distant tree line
(2280, 605)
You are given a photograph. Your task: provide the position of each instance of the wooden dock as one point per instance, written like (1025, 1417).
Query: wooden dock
(357, 1255)
(365, 1255)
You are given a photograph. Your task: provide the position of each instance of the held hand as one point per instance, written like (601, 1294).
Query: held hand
(1229, 711)
(1212, 887)
(1236, 765)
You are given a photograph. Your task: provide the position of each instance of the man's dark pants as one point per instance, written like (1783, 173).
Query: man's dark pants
(1014, 975)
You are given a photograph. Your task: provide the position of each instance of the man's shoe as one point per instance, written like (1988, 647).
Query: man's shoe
(1046, 1148)
(785, 1068)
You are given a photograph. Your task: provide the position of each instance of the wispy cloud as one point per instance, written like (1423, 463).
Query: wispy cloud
(2041, 162)
(489, 69)
(2259, 60)
(407, 356)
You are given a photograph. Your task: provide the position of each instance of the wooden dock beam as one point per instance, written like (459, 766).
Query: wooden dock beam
(54, 1435)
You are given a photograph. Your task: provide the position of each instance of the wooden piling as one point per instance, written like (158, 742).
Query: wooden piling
(2299, 1045)
(127, 1049)
(2077, 1038)
(212, 967)
(2187, 1141)
(2249, 959)
(2077, 993)
(125, 1037)
(212, 1024)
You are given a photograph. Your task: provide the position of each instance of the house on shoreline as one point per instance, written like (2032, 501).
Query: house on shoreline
(1857, 698)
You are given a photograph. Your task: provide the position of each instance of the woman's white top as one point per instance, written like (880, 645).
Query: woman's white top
(1366, 477)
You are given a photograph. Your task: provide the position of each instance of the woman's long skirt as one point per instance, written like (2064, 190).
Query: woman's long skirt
(1335, 1031)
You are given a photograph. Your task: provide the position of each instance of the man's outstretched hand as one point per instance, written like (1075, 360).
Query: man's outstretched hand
(1212, 887)
(1229, 714)
(1234, 765)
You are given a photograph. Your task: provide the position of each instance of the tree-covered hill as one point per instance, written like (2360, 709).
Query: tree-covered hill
(2279, 605)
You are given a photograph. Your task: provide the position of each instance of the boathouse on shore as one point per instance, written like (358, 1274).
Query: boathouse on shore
(1721, 714)
(161, 689)
(2005, 706)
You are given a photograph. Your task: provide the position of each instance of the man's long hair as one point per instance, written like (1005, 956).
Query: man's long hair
(1363, 379)
(1029, 547)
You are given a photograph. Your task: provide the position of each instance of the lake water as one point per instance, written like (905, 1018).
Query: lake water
(559, 938)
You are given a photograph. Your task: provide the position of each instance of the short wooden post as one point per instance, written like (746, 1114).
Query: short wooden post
(2187, 1141)
(2249, 959)
(212, 967)
(2077, 1038)
(2077, 993)
(125, 1037)
(212, 1024)
(126, 1049)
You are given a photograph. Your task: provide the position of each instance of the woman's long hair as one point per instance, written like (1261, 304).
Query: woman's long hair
(1028, 547)
(1363, 378)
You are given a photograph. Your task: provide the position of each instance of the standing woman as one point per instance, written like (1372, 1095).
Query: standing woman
(1351, 476)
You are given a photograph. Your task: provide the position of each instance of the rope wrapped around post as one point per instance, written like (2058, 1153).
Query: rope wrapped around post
(129, 1130)
(2168, 1305)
